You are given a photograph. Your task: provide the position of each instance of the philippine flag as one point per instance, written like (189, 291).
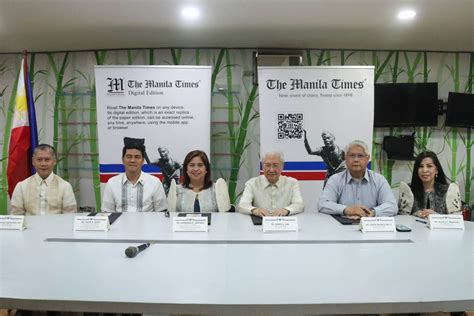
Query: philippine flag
(24, 136)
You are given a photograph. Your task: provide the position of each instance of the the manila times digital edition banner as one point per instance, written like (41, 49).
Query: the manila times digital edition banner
(166, 107)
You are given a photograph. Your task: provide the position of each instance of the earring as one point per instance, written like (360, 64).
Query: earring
(436, 175)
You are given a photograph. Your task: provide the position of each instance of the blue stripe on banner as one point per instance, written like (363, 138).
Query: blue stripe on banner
(112, 168)
(117, 168)
(151, 168)
(306, 165)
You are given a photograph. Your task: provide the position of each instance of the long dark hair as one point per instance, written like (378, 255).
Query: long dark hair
(416, 184)
(187, 160)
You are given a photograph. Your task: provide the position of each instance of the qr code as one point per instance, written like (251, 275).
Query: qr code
(290, 125)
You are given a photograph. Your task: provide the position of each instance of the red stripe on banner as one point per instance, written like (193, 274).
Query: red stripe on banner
(104, 177)
(304, 175)
(299, 175)
(19, 167)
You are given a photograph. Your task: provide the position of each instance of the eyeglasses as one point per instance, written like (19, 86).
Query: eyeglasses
(358, 156)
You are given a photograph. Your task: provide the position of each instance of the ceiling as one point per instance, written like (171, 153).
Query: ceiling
(65, 25)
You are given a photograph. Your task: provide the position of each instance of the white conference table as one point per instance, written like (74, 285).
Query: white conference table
(235, 268)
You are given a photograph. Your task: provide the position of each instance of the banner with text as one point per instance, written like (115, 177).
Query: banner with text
(310, 114)
(167, 108)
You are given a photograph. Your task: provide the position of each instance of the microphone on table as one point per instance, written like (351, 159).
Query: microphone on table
(132, 251)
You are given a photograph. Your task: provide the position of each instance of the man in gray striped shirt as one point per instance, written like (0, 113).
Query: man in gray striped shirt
(134, 190)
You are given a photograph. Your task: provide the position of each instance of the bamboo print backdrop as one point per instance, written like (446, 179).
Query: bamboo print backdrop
(64, 90)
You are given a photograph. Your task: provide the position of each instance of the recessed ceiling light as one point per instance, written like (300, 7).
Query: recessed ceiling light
(406, 14)
(190, 13)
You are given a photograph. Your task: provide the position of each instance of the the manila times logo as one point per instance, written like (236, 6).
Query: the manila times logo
(115, 86)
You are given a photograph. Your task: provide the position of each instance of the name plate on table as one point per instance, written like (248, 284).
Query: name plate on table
(190, 224)
(97, 223)
(452, 221)
(13, 222)
(377, 224)
(279, 224)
